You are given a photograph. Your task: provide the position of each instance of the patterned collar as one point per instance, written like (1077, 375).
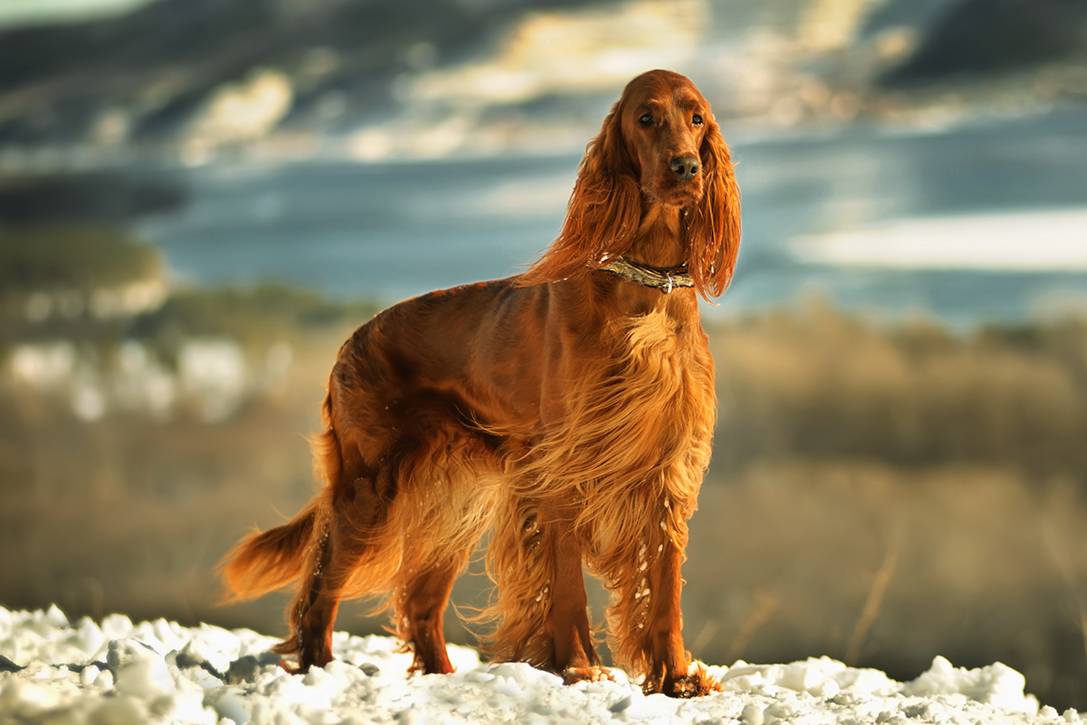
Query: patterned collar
(665, 279)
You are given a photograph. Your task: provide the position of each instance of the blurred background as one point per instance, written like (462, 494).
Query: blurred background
(200, 199)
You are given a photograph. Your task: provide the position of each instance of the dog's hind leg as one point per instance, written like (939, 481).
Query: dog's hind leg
(420, 611)
(442, 514)
(346, 534)
(314, 608)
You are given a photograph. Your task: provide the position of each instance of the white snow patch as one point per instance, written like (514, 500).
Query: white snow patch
(116, 671)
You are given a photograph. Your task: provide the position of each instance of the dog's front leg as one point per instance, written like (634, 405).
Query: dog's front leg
(573, 654)
(643, 573)
(535, 559)
(669, 664)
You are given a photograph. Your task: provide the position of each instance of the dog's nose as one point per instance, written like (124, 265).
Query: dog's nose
(685, 167)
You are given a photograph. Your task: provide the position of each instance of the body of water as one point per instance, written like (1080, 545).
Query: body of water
(984, 221)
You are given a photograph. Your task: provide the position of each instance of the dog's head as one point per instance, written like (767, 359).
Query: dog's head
(658, 132)
(660, 144)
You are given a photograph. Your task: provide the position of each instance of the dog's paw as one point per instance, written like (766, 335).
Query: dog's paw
(696, 683)
(592, 673)
(292, 667)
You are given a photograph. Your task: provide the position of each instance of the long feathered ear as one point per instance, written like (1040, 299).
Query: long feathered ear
(713, 227)
(604, 211)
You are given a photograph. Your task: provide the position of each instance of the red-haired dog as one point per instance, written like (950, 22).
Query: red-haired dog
(570, 408)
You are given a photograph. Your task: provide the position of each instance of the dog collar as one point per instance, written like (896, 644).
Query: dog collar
(665, 279)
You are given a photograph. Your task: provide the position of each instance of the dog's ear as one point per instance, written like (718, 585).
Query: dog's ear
(604, 211)
(713, 226)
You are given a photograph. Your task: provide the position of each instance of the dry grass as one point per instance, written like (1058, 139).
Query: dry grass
(874, 600)
(877, 495)
(816, 384)
(764, 607)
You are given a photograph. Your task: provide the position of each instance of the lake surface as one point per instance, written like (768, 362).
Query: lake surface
(995, 208)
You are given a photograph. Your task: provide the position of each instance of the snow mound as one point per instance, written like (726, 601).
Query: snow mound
(56, 671)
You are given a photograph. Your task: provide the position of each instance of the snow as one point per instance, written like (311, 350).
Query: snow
(56, 671)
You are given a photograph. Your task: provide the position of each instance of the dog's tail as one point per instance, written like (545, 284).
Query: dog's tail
(268, 560)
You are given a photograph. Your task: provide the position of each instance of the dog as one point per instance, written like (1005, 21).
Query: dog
(569, 410)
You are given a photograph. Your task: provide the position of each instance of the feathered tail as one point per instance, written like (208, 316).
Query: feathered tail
(265, 561)
(268, 560)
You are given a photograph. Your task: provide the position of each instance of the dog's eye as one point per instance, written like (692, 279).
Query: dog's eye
(646, 119)
(697, 120)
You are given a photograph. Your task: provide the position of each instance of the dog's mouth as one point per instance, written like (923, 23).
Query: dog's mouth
(676, 193)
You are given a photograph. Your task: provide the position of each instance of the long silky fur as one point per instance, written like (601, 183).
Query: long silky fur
(628, 454)
(520, 565)
(603, 214)
(266, 561)
(713, 228)
(444, 492)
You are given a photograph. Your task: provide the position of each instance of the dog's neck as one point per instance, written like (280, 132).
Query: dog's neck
(659, 243)
(659, 240)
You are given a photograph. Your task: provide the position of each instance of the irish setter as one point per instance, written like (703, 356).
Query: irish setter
(569, 409)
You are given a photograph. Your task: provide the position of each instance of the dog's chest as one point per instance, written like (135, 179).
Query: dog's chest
(651, 411)
(661, 383)
(656, 349)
